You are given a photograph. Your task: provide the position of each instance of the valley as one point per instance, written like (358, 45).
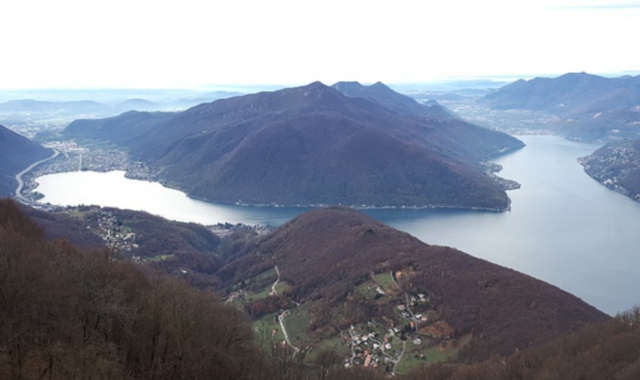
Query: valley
(341, 190)
(332, 285)
(555, 195)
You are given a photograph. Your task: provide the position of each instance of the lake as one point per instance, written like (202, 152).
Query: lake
(563, 227)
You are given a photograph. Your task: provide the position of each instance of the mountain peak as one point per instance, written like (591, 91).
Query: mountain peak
(380, 85)
(314, 86)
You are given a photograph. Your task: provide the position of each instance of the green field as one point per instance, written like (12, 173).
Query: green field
(431, 354)
(297, 324)
(385, 281)
(334, 344)
(283, 287)
(263, 329)
(160, 258)
(270, 275)
(255, 296)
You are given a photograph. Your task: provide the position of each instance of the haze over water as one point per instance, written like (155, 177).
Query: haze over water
(564, 227)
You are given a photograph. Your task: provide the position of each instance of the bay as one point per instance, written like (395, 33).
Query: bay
(563, 227)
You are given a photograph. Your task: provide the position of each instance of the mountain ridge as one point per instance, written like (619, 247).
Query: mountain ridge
(579, 106)
(311, 145)
(326, 255)
(16, 153)
(397, 102)
(328, 261)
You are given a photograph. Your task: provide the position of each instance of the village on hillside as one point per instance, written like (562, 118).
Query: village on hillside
(411, 333)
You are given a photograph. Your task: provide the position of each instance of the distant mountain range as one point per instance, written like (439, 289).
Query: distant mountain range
(591, 107)
(16, 154)
(315, 145)
(29, 110)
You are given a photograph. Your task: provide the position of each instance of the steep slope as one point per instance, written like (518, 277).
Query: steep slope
(123, 128)
(476, 140)
(72, 314)
(617, 166)
(16, 153)
(326, 255)
(605, 350)
(311, 145)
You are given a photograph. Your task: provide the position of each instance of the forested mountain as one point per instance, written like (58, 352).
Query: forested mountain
(16, 154)
(327, 257)
(73, 314)
(589, 106)
(311, 145)
(604, 351)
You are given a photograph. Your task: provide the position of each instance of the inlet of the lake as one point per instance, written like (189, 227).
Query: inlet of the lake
(563, 227)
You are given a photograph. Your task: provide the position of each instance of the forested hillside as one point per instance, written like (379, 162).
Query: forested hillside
(313, 145)
(16, 153)
(68, 313)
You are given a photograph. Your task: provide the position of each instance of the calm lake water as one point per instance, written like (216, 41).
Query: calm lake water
(563, 227)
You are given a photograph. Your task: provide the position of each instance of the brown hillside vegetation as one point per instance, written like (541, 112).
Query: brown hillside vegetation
(69, 314)
(72, 314)
(16, 153)
(607, 351)
(325, 253)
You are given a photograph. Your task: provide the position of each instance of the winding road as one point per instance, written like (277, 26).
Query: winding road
(286, 336)
(25, 171)
(273, 287)
(282, 315)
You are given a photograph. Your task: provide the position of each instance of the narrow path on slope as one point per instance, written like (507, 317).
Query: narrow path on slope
(284, 331)
(284, 313)
(273, 287)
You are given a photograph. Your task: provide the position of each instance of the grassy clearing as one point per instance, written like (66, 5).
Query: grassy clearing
(264, 328)
(412, 359)
(385, 281)
(431, 353)
(367, 289)
(76, 213)
(266, 275)
(334, 344)
(283, 287)
(256, 296)
(160, 258)
(297, 325)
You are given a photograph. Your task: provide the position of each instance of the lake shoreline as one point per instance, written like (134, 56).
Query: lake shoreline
(563, 227)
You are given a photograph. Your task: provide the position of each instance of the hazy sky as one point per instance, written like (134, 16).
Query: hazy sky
(139, 43)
